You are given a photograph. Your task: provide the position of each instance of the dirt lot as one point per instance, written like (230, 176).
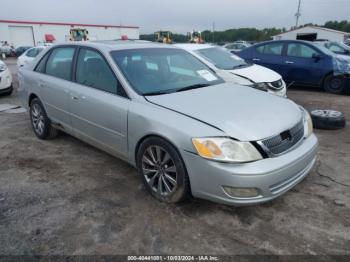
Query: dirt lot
(65, 197)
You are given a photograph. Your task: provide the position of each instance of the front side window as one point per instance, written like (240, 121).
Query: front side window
(59, 63)
(270, 49)
(93, 70)
(152, 71)
(301, 50)
(221, 58)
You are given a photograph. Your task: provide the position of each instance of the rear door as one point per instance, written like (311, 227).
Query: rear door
(303, 64)
(54, 83)
(98, 103)
(269, 55)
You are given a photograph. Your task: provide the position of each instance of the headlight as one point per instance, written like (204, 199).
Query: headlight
(226, 150)
(308, 127)
(3, 67)
(277, 85)
(261, 86)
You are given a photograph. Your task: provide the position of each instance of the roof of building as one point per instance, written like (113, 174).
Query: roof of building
(69, 24)
(318, 28)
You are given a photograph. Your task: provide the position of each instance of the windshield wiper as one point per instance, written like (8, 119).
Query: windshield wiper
(155, 93)
(240, 66)
(192, 87)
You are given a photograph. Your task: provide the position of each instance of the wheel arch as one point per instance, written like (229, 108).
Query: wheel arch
(31, 97)
(155, 135)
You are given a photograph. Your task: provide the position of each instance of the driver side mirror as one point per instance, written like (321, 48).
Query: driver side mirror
(316, 57)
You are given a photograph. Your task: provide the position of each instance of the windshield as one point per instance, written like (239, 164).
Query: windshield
(337, 48)
(152, 71)
(222, 58)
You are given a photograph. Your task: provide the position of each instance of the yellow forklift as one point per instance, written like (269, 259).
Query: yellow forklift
(78, 34)
(195, 37)
(164, 37)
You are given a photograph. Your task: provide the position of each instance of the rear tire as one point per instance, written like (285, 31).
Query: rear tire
(328, 119)
(41, 124)
(162, 170)
(334, 84)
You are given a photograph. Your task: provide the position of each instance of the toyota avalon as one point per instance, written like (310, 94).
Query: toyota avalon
(168, 114)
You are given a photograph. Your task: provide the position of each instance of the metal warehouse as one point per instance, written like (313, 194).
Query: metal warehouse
(27, 33)
(311, 33)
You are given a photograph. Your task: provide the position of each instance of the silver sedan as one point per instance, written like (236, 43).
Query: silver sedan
(169, 115)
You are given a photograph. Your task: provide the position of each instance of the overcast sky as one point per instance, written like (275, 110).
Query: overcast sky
(177, 15)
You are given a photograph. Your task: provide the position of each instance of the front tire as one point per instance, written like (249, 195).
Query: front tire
(162, 170)
(334, 84)
(41, 124)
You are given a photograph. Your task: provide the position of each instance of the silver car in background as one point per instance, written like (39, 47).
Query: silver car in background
(168, 114)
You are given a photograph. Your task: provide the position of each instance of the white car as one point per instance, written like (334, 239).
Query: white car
(234, 69)
(5, 79)
(29, 55)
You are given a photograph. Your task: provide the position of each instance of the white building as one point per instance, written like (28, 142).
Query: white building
(26, 33)
(311, 33)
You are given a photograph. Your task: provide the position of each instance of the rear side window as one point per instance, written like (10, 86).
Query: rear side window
(270, 49)
(41, 66)
(60, 61)
(300, 50)
(92, 70)
(33, 52)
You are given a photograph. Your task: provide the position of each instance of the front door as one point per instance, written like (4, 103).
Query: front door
(303, 64)
(98, 105)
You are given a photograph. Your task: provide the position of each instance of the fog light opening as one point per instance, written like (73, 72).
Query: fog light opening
(241, 192)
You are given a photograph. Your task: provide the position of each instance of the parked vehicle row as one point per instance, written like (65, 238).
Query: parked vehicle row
(234, 69)
(5, 79)
(29, 55)
(170, 115)
(302, 63)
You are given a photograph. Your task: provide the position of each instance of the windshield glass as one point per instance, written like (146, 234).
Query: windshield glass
(152, 71)
(222, 58)
(338, 48)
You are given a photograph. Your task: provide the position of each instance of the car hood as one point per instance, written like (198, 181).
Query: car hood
(257, 74)
(242, 113)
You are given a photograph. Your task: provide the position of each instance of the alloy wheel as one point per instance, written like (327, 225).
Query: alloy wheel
(159, 170)
(37, 115)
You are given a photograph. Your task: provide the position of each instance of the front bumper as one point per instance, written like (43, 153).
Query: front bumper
(272, 177)
(6, 90)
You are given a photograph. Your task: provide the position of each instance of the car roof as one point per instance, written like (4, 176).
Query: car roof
(194, 47)
(111, 45)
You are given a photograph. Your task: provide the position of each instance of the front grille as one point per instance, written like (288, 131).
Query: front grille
(285, 140)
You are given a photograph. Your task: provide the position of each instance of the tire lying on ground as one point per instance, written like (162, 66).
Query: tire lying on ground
(327, 119)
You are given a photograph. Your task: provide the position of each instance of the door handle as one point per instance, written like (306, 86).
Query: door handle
(75, 98)
(256, 59)
(289, 62)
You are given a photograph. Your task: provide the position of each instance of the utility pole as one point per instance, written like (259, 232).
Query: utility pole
(213, 32)
(298, 14)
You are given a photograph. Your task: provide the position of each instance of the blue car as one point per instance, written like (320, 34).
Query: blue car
(302, 63)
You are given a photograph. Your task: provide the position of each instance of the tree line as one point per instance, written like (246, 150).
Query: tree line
(247, 34)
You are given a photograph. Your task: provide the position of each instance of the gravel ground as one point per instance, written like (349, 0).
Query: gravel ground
(64, 197)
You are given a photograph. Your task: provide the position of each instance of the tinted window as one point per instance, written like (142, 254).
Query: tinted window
(41, 66)
(270, 49)
(300, 50)
(59, 63)
(33, 52)
(93, 71)
(162, 70)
